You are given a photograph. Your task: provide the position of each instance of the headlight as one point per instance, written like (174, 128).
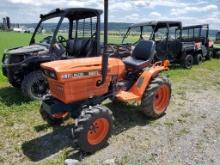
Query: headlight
(50, 74)
(6, 59)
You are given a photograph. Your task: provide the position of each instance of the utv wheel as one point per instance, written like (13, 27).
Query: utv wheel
(156, 97)
(34, 86)
(209, 55)
(198, 59)
(217, 54)
(93, 129)
(187, 61)
(15, 84)
(53, 121)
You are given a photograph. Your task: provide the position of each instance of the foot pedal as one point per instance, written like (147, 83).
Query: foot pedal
(125, 96)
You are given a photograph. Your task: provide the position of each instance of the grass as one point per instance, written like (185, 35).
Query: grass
(22, 127)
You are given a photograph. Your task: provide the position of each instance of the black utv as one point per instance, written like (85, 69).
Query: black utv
(168, 38)
(215, 47)
(75, 34)
(199, 34)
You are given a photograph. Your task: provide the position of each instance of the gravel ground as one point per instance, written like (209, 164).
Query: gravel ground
(189, 133)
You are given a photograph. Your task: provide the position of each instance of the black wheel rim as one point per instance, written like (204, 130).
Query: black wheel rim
(39, 88)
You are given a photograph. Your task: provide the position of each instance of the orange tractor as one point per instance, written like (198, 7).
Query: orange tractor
(79, 86)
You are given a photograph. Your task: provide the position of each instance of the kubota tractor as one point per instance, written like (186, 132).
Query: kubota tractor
(78, 87)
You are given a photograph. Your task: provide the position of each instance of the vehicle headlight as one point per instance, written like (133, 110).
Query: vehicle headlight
(50, 74)
(6, 59)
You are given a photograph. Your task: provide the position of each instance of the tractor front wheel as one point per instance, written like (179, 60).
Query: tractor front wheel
(198, 59)
(187, 61)
(93, 128)
(156, 97)
(55, 120)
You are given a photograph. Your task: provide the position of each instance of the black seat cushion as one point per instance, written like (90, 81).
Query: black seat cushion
(136, 63)
(90, 48)
(142, 55)
(144, 50)
(70, 46)
(81, 47)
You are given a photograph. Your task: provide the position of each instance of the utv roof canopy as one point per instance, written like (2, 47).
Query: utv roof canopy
(72, 13)
(159, 24)
(196, 26)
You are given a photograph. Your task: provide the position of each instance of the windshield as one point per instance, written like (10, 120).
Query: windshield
(45, 30)
(218, 36)
(134, 34)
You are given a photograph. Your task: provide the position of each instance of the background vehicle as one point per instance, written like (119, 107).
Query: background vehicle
(168, 38)
(78, 86)
(199, 34)
(22, 65)
(216, 46)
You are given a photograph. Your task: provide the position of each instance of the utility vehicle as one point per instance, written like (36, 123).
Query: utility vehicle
(216, 46)
(75, 32)
(199, 34)
(168, 38)
(78, 87)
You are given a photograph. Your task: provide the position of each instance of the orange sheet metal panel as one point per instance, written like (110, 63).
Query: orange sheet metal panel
(72, 91)
(84, 76)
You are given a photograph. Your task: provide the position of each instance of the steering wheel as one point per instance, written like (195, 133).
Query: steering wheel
(62, 40)
(122, 49)
(111, 50)
(118, 51)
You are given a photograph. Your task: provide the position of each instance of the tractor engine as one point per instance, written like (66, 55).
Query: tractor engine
(75, 80)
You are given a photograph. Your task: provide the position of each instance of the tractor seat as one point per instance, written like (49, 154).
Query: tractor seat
(81, 47)
(142, 55)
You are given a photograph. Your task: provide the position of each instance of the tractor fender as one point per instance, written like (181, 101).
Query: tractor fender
(143, 81)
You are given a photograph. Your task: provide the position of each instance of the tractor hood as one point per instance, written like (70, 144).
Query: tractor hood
(83, 64)
(27, 49)
(72, 64)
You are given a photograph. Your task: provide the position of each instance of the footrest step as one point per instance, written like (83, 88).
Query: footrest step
(126, 96)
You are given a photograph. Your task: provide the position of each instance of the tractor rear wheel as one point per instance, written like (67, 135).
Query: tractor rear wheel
(93, 129)
(187, 61)
(156, 97)
(54, 120)
(198, 59)
(34, 86)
